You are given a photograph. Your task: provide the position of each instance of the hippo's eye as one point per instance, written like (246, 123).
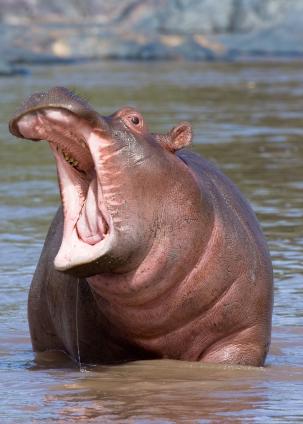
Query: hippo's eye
(135, 120)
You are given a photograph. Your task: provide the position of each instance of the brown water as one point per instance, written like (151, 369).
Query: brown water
(248, 119)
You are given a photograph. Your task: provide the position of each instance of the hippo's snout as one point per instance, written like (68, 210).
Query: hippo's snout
(55, 98)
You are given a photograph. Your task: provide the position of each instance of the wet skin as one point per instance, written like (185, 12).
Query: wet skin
(154, 249)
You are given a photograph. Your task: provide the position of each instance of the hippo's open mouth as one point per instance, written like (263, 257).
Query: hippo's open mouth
(76, 144)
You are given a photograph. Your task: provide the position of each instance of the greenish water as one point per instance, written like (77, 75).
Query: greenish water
(248, 119)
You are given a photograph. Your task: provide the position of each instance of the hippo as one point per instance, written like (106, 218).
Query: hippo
(153, 253)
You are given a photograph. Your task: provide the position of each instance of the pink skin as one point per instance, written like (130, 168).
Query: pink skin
(173, 254)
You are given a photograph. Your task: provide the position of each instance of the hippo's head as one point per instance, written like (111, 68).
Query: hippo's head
(116, 179)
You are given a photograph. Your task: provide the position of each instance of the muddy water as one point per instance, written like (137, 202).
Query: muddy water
(248, 119)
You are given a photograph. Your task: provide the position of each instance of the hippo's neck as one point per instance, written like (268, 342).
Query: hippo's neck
(143, 285)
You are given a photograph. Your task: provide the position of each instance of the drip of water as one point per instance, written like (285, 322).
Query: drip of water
(81, 369)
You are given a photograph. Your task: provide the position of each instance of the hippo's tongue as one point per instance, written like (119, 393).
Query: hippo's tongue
(86, 220)
(91, 225)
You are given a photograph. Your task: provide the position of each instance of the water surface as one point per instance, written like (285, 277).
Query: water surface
(247, 118)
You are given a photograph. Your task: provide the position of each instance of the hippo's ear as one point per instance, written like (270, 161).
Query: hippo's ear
(179, 136)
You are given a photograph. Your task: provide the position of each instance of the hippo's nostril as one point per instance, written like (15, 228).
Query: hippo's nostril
(13, 128)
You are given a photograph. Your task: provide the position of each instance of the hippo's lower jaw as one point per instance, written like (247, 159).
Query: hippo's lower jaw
(79, 150)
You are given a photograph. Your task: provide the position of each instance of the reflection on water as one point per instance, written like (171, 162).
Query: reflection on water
(248, 119)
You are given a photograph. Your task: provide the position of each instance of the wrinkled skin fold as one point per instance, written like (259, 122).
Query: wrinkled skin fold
(166, 254)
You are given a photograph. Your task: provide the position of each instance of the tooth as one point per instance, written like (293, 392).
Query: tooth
(73, 162)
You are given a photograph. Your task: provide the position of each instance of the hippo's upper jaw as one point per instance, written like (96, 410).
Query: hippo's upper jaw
(99, 163)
